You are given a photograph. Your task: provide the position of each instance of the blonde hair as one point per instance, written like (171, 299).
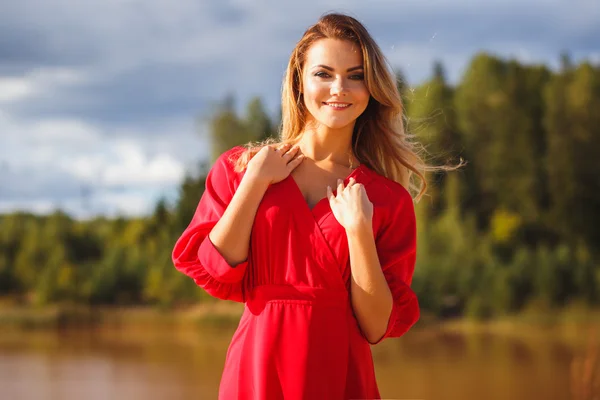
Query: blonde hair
(379, 139)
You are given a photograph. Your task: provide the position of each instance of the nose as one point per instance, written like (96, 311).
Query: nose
(338, 87)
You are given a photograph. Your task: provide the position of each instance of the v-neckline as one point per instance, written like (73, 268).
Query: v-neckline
(323, 200)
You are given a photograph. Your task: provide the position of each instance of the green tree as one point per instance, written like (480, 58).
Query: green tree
(227, 130)
(433, 119)
(499, 115)
(573, 166)
(258, 125)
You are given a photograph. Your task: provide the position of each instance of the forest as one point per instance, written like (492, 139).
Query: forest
(516, 229)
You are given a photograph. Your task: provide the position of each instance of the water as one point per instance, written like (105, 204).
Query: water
(164, 363)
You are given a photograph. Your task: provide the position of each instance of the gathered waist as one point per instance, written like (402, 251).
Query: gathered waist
(297, 294)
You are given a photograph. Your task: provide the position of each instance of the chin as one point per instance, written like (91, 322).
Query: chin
(336, 124)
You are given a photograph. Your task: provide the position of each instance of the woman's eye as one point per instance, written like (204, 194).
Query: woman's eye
(357, 77)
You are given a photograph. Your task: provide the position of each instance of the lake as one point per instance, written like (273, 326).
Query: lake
(161, 362)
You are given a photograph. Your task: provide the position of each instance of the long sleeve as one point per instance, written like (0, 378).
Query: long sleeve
(396, 248)
(194, 254)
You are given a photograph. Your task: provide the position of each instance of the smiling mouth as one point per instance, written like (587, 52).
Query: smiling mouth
(338, 106)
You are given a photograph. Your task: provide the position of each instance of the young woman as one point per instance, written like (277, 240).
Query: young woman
(315, 233)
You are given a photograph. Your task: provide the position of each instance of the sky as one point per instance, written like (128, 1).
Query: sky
(103, 104)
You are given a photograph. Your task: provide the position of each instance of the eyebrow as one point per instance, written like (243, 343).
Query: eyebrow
(331, 69)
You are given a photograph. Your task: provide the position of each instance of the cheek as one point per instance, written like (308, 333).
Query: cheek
(362, 93)
(362, 97)
(314, 90)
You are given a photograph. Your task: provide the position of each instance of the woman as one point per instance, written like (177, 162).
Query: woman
(316, 233)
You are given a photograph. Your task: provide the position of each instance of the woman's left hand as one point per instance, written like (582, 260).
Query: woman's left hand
(351, 205)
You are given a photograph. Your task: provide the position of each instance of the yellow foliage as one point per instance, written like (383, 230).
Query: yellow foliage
(66, 277)
(133, 232)
(504, 224)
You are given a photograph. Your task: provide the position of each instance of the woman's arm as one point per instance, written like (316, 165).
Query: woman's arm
(218, 237)
(231, 234)
(382, 267)
(372, 299)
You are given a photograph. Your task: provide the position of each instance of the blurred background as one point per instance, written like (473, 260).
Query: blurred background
(111, 113)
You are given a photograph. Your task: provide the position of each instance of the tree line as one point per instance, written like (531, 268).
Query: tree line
(517, 228)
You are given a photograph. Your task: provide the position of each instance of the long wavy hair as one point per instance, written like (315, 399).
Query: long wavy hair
(379, 139)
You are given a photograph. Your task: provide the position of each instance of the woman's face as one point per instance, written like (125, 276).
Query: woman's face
(333, 83)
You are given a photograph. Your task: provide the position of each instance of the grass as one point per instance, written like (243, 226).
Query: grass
(63, 316)
(569, 320)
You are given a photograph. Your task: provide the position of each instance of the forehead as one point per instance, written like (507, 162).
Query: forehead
(334, 53)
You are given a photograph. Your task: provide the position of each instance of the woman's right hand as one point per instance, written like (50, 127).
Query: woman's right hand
(273, 163)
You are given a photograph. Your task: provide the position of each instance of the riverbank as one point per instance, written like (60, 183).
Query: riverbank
(227, 314)
(68, 316)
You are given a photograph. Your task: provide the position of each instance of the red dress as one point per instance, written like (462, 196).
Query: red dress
(298, 337)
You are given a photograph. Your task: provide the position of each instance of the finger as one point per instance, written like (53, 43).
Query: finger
(283, 148)
(357, 187)
(295, 162)
(340, 187)
(329, 193)
(360, 188)
(292, 151)
(351, 182)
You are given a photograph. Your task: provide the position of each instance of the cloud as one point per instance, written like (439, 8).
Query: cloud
(15, 89)
(61, 162)
(126, 165)
(89, 204)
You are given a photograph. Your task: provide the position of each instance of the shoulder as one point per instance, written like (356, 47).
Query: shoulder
(228, 158)
(224, 167)
(393, 206)
(225, 162)
(386, 192)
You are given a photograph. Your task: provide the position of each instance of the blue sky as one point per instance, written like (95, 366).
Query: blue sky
(100, 101)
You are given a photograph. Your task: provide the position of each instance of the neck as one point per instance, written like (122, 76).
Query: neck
(321, 143)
